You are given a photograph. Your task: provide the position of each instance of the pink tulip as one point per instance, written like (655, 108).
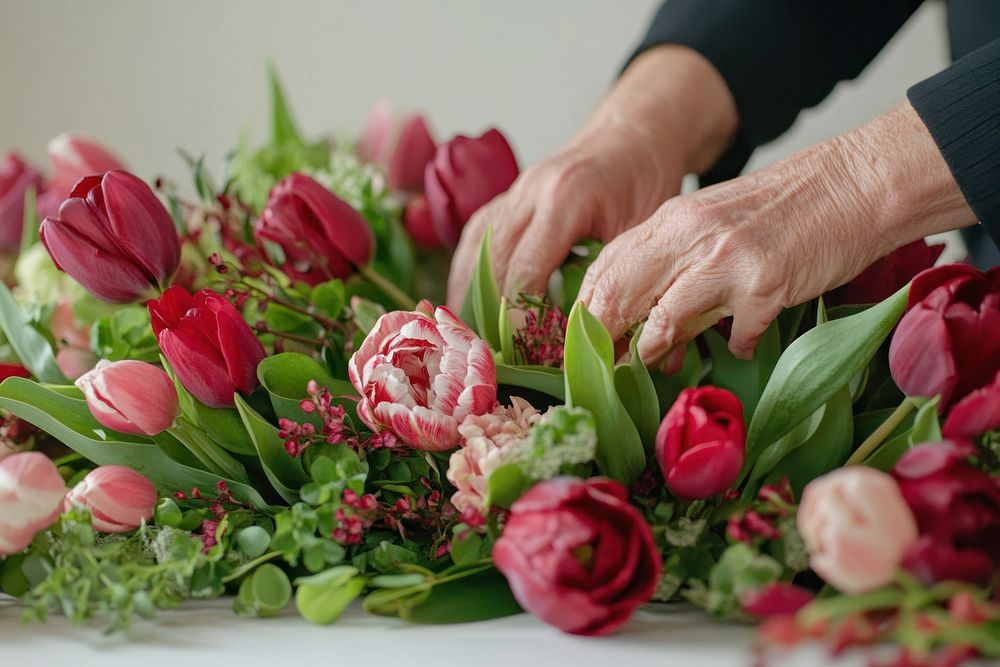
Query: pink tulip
(114, 237)
(31, 496)
(16, 177)
(465, 174)
(119, 498)
(73, 157)
(420, 375)
(130, 396)
(856, 527)
(74, 356)
(401, 146)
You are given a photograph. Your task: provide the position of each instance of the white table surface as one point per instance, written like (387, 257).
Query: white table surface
(208, 633)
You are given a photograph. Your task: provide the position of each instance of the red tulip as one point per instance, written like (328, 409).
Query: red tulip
(130, 396)
(31, 496)
(947, 344)
(578, 555)
(420, 375)
(210, 346)
(119, 498)
(465, 174)
(775, 599)
(419, 223)
(976, 414)
(887, 275)
(16, 176)
(73, 157)
(957, 508)
(321, 236)
(701, 443)
(402, 146)
(114, 237)
(13, 371)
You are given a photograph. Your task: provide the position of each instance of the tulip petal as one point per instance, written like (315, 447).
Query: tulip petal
(141, 225)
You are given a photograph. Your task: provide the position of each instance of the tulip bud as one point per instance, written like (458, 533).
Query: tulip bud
(210, 346)
(130, 396)
(31, 496)
(119, 498)
(701, 443)
(465, 174)
(401, 146)
(419, 223)
(114, 237)
(320, 235)
(16, 177)
(73, 157)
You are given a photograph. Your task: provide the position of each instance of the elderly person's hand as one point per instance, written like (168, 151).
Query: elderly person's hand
(669, 114)
(774, 238)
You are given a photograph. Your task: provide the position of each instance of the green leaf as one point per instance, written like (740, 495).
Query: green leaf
(636, 390)
(506, 334)
(589, 363)
(478, 597)
(253, 541)
(484, 297)
(267, 591)
(815, 366)
(125, 334)
(283, 128)
(224, 426)
(285, 376)
(330, 298)
(926, 426)
(323, 597)
(467, 547)
(505, 485)
(31, 347)
(68, 420)
(669, 387)
(283, 471)
(550, 381)
(744, 377)
(29, 232)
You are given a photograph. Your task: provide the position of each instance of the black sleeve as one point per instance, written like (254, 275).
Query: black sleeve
(777, 56)
(961, 108)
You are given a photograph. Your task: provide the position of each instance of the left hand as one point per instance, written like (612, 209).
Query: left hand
(774, 238)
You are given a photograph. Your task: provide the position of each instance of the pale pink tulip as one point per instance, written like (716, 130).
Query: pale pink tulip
(420, 374)
(72, 157)
(74, 356)
(119, 498)
(856, 527)
(401, 145)
(31, 496)
(130, 396)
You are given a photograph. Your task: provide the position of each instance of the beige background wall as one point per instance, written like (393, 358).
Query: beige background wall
(148, 77)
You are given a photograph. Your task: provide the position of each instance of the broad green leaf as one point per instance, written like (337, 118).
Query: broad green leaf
(815, 366)
(550, 381)
(285, 376)
(669, 387)
(478, 597)
(68, 420)
(505, 485)
(224, 426)
(789, 323)
(483, 299)
(636, 390)
(31, 347)
(323, 597)
(283, 471)
(926, 426)
(744, 377)
(211, 456)
(589, 367)
(283, 128)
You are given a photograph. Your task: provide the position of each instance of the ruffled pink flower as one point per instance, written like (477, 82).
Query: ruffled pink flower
(420, 374)
(31, 496)
(119, 498)
(484, 438)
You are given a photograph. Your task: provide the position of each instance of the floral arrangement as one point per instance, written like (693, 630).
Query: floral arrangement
(239, 395)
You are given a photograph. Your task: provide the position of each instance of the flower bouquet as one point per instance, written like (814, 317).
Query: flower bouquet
(241, 395)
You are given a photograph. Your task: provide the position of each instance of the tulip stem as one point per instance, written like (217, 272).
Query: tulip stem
(215, 459)
(882, 432)
(402, 299)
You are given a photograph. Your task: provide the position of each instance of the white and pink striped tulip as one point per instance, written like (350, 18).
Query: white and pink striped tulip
(130, 396)
(420, 374)
(31, 497)
(72, 157)
(119, 498)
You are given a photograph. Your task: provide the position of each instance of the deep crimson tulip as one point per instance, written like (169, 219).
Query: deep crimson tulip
(578, 555)
(465, 174)
(957, 509)
(775, 599)
(947, 344)
(114, 237)
(701, 443)
(975, 415)
(419, 223)
(13, 371)
(119, 498)
(210, 346)
(887, 275)
(401, 145)
(73, 157)
(16, 177)
(321, 236)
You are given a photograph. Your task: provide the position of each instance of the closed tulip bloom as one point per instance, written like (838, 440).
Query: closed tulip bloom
(419, 223)
(31, 497)
(73, 157)
(856, 527)
(114, 237)
(701, 443)
(16, 177)
(947, 344)
(401, 145)
(130, 396)
(210, 346)
(119, 498)
(320, 235)
(465, 174)
(887, 275)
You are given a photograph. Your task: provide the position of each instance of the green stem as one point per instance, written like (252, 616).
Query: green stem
(250, 565)
(819, 610)
(402, 299)
(872, 442)
(212, 456)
